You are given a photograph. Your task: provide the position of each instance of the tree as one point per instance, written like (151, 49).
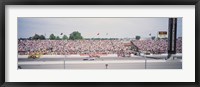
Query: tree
(65, 37)
(75, 36)
(22, 38)
(30, 38)
(58, 38)
(52, 37)
(137, 37)
(153, 37)
(42, 37)
(36, 37)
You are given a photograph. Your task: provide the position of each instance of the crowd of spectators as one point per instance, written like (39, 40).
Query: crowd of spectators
(61, 47)
(156, 46)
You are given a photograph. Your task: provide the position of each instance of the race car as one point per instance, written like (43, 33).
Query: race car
(34, 55)
(89, 59)
(92, 57)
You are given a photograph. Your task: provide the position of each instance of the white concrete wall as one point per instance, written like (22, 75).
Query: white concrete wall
(70, 56)
(22, 56)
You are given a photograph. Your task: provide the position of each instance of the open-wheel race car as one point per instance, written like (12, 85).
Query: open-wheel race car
(92, 57)
(34, 55)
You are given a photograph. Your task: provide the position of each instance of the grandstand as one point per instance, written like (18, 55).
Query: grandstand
(68, 47)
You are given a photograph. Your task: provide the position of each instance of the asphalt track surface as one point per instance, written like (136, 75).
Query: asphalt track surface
(137, 62)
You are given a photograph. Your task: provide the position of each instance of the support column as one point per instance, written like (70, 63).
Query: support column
(172, 29)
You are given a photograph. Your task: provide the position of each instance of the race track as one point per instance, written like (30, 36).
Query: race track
(136, 62)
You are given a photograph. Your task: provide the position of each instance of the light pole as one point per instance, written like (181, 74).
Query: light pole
(64, 52)
(64, 49)
(145, 62)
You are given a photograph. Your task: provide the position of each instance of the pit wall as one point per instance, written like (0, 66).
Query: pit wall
(70, 56)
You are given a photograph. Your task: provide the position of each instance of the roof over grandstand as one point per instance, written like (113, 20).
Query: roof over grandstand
(94, 27)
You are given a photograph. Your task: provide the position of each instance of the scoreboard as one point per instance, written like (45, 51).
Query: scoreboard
(162, 34)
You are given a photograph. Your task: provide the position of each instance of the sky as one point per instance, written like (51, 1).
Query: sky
(94, 27)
